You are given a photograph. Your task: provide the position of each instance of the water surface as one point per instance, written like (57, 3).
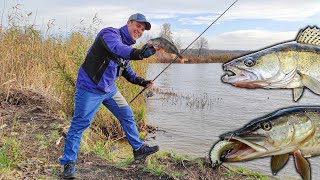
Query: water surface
(200, 107)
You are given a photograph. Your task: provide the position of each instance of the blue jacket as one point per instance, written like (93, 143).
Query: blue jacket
(119, 42)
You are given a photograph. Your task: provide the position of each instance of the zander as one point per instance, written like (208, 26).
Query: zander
(293, 64)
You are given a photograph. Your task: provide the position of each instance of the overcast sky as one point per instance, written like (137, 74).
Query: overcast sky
(248, 25)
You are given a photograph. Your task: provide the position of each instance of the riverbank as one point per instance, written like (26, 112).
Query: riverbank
(32, 131)
(37, 78)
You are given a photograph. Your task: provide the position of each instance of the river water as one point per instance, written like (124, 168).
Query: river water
(193, 107)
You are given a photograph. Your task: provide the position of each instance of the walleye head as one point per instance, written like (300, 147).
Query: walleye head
(252, 70)
(279, 133)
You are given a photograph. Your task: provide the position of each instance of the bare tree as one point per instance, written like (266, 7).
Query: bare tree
(201, 44)
(178, 43)
(166, 31)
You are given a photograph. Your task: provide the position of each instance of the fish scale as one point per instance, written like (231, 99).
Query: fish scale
(311, 148)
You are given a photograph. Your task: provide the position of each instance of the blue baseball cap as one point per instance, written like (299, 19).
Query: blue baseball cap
(140, 18)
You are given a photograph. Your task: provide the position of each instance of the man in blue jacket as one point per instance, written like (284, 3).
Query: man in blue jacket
(108, 59)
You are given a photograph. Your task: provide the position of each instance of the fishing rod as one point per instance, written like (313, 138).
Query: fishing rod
(185, 49)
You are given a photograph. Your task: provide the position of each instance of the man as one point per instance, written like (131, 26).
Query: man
(107, 59)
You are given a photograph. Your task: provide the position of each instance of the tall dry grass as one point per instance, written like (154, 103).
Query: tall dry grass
(190, 59)
(34, 59)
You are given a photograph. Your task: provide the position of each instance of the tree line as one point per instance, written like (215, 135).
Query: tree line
(198, 53)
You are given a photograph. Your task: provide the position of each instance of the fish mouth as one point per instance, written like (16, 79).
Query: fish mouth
(242, 149)
(241, 77)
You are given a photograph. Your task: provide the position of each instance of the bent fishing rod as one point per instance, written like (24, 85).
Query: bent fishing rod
(185, 49)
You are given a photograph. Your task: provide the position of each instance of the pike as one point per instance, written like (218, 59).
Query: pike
(293, 65)
(162, 44)
(290, 131)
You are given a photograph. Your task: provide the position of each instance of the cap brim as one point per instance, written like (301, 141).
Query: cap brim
(148, 25)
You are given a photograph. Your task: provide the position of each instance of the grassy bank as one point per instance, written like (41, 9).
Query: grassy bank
(32, 131)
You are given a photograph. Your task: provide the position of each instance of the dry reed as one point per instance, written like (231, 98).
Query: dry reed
(35, 60)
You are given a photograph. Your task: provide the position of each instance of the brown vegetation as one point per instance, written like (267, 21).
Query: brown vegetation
(49, 64)
(191, 59)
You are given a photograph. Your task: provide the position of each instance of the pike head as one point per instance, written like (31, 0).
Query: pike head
(282, 132)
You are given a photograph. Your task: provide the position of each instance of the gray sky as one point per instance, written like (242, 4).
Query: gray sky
(248, 25)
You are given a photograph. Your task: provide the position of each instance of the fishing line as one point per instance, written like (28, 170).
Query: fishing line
(185, 49)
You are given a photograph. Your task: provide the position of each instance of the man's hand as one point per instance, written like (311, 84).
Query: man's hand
(147, 50)
(142, 82)
(147, 83)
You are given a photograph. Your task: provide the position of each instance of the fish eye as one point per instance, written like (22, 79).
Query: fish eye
(266, 126)
(249, 62)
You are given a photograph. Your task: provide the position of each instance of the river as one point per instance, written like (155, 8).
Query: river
(193, 107)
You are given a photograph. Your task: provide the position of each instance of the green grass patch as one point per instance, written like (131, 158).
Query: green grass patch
(125, 162)
(45, 141)
(54, 135)
(155, 167)
(140, 114)
(230, 173)
(172, 156)
(42, 141)
(256, 175)
(55, 169)
(39, 137)
(56, 126)
(178, 158)
(200, 163)
(100, 150)
(143, 135)
(178, 174)
(10, 154)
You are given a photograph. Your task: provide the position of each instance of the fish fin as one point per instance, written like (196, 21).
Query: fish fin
(297, 93)
(302, 165)
(311, 83)
(278, 162)
(168, 38)
(309, 36)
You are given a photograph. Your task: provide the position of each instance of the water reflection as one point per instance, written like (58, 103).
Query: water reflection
(201, 101)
